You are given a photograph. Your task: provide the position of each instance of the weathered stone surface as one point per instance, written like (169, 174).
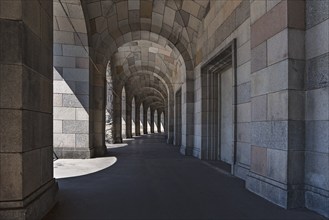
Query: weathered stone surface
(316, 12)
(318, 72)
(243, 93)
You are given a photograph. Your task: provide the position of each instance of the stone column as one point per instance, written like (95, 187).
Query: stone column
(116, 129)
(159, 122)
(137, 119)
(187, 140)
(27, 187)
(152, 120)
(169, 121)
(277, 84)
(128, 118)
(144, 119)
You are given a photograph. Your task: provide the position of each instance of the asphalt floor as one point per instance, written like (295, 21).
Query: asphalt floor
(152, 180)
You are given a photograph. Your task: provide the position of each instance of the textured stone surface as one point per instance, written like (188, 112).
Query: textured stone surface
(318, 72)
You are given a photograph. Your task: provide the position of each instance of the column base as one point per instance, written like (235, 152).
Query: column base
(117, 140)
(278, 193)
(187, 151)
(35, 206)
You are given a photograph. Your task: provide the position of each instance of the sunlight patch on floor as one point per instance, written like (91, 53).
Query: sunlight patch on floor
(65, 168)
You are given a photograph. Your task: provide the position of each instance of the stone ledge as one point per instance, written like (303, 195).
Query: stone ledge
(36, 206)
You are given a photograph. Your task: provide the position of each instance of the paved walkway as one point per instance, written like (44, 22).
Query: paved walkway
(151, 180)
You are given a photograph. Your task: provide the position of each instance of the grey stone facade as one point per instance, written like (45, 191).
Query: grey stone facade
(243, 81)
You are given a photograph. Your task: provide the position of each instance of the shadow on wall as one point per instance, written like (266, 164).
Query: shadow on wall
(71, 93)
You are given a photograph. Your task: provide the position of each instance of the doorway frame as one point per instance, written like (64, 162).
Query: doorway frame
(222, 60)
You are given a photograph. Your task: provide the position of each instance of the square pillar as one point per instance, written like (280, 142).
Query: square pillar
(277, 96)
(27, 187)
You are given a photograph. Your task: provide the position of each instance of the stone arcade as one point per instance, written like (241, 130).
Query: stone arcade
(241, 81)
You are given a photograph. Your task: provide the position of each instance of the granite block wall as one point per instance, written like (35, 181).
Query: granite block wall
(71, 82)
(316, 106)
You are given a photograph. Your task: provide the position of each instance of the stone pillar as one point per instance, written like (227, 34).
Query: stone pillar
(277, 84)
(159, 122)
(97, 111)
(137, 119)
(144, 119)
(152, 120)
(187, 130)
(117, 127)
(27, 187)
(169, 121)
(128, 118)
(317, 102)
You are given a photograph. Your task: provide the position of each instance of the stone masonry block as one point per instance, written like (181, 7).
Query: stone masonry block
(317, 104)
(61, 61)
(278, 76)
(75, 100)
(82, 140)
(259, 57)
(243, 73)
(74, 51)
(257, 9)
(277, 47)
(243, 93)
(11, 130)
(63, 87)
(10, 9)
(318, 72)
(272, 134)
(243, 153)
(277, 106)
(11, 166)
(63, 37)
(64, 140)
(316, 12)
(244, 112)
(75, 127)
(296, 105)
(259, 108)
(74, 74)
(81, 114)
(258, 160)
(243, 53)
(277, 165)
(318, 33)
(296, 41)
(31, 171)
(58, 126)
(260, 83)
(11, 86)
(243, 132)
(315, 175)
(317, 136)
(64, 113)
